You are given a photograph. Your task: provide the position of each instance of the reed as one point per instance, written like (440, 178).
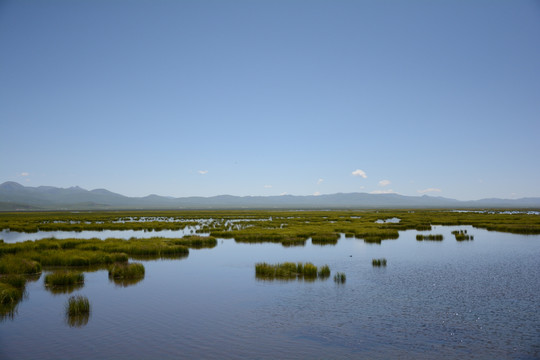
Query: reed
(9, 294)
(378, 262)
(340, 278)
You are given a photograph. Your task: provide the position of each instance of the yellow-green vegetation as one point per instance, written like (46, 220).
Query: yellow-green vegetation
(378, 262)
(461, 235)
(290, 271)
(340, 278)
(126, 271)
(430, 237)
(11, 264)
(64, 278)
(78, 305)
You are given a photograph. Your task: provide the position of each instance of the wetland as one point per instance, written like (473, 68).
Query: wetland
(258, 284)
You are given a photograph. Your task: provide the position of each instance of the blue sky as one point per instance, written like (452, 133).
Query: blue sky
(184, 98)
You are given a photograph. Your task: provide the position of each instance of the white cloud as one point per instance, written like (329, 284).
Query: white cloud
(384, 182)
(359, 172)
(24, 174)
(267, 186)
(316, 193)
(283, 193)
(319, 181)
(428, 190)
(389, 191)
(203, 172)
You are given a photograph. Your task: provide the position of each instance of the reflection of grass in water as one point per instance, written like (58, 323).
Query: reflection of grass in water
(290, 271)
(77, 311)
(77, 320)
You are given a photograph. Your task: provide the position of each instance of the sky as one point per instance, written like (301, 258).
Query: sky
(202, 98)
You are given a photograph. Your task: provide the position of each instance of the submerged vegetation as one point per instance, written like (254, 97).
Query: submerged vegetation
(291, 271)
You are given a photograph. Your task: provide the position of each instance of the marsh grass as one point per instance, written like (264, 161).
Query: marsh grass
(11, 264)
(290, 271)
(329, 238)
(430, 237)
(378, 262)
(340, 278)
(64, 281)
(461, 235)
(77, 311)
(126, 274)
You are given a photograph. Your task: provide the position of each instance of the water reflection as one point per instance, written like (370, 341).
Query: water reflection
(77, 320)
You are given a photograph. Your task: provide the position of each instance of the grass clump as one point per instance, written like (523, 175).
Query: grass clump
(77, 305)
(324, 272)
(461, 235)
(64, 278)
(340, 278)
(330, 238)
(126, 271)
(378, 262)
(290, 271)
(430, 237)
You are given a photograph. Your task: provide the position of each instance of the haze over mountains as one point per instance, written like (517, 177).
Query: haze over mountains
(14, 196)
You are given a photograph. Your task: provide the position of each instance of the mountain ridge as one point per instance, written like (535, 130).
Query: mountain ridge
(15, 196)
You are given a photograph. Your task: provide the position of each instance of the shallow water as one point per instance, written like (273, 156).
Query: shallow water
(449, 299)
(15, 236)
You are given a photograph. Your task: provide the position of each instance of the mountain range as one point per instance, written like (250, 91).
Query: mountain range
(14, 196)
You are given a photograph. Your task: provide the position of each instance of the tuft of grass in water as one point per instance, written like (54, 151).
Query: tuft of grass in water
(77, 305)
(340, 278)
(329, 238)
(9, 294)
(378, 262)
(461, 235)
(324, 272)
(126, 271)
(430, 237)
(289, 271)
(64, 278)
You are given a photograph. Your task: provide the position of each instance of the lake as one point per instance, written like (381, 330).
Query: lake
(472, 299)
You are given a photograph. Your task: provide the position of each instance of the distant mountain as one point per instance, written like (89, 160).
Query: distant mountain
(14, 196)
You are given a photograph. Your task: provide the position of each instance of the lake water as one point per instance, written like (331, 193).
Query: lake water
(472, 299)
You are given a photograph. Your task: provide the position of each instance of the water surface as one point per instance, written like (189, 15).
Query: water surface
(449, 299)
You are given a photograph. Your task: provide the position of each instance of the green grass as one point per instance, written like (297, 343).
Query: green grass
(430, 237)
(64, 278)
(461, 235)
(290, 271)
(77, 305)
(340, 278)
(378, 262)
(324, 271)
(11, 264)
(126, 271)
